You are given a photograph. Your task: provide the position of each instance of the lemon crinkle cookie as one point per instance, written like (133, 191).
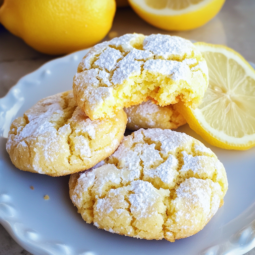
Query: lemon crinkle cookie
(150, 115)
(158, 184)
(134, 68)
(55, 137)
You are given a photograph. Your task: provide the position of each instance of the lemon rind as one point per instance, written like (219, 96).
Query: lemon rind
(223, 49)
(196, 119)
(170, 12)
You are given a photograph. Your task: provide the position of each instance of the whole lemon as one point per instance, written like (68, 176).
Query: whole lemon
(58, 26)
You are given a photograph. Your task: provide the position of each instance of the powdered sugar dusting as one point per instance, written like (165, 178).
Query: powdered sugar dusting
(81, 146)
(167, 46)
(133, 55)
(144, 199)
(149, 155)
(125, 42)
(40, 125)
(105, 77)
(199, 164)
(97, 178)
(104, 175)
(114, 143)
(202, 148)
(111, 230)
(190, 61)
(174, 69)
(166, 171)
(84, 182)
(142, 190)
(99, 96)
(129, 66)
(108, 59)
(96, 224)
(195, 195)
(120, 211)
(169, 139)
(89, 57)
(104, 205)
(84, 124)
(129, 161)
(202, 66)
(215, 199)
(89, 77)
(56, 137)
(192, 163)
(145, 108)
(192, 195)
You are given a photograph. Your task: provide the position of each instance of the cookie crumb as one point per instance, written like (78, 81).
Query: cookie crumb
(32, 187)
(113, 34)
(46, 197)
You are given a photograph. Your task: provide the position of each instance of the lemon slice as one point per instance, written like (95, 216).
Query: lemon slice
(226, 115)
(176, 14)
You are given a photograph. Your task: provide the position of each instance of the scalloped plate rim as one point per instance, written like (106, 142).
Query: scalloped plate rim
(8, 222)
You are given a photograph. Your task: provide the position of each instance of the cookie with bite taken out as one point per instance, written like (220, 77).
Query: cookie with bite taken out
(134, 68)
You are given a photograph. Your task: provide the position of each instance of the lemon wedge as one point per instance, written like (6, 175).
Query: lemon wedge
(177, 14)
(226, 116)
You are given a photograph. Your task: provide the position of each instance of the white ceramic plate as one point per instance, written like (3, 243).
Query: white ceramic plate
(54, 227)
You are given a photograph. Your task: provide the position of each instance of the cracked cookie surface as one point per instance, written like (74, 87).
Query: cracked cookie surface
(150, 115)
(55, 137)
(159, 184)
(133, 68)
